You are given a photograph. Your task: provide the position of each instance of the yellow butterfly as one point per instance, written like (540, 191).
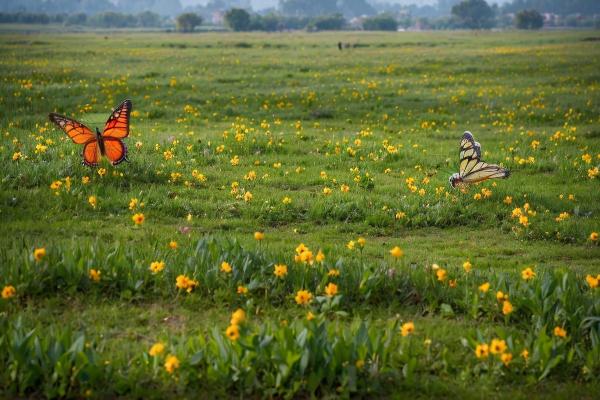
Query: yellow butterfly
(472, 169)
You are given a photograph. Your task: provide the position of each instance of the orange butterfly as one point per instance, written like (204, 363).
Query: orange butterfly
(95, 145)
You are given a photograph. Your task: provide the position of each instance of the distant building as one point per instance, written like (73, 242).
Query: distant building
(357, 22)
(217, 17)
(551, 19)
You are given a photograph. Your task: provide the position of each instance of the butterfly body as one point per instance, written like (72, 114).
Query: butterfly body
(108, 143)
(471, 168)
(100, 142)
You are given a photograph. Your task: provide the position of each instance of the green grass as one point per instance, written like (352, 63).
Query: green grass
(294, 99)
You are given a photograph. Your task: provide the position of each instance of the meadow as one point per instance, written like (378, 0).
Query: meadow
(284, 226)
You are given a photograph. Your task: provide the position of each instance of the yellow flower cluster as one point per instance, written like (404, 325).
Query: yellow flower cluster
(237, 319)
(497, 347)
(157, 266)
(303, 255)
(185, 283)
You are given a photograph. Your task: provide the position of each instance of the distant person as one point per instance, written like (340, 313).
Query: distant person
(340, 46)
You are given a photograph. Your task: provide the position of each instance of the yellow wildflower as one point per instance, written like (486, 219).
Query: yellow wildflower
(506, 358)
(233, 332)
(320, 256)
(259, 236)
(333, 273)
(40, 253)
(226, 267)
(507, 307)
(94, 275)
(138, 218)
(238, 317)
(171, 364)
(331, 289)
(8, 292)
(482, 350)
(133, 203)
(157, 266)
(592, 281)
(93, 201)
(303, 297)
(484, 287)
(524, 220)
(441, 274)
(280, 270)
(467, 266)
(156, 349)
(407, 328)
(497, 346)
(560, 332)
(528, 274)
(183, 282)
(396, 252)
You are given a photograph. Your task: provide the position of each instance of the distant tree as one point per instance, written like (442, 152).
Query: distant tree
(328, 23)
(271, 22)
(111, 19)
(186, 22)
(560, 7)
(76, 19)
(383, 22)
(474, 14)
(529, 19)
(238, 19)
(148, 19)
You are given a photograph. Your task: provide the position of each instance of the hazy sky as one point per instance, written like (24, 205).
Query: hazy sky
(259, 4)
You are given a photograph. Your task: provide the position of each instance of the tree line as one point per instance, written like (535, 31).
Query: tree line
(107, 19)
(466, 14)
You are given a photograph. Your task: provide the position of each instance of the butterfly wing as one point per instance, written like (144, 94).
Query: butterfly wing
(117, 125)
(472, 168)
(469, 153)
(115, 150)
(477, 149)
(483, 171)
(91, 153)
(78, 132)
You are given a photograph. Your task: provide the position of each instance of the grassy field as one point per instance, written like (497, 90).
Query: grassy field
(284, 134)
